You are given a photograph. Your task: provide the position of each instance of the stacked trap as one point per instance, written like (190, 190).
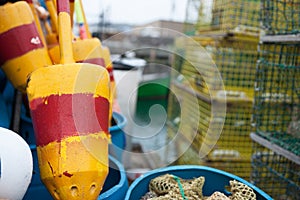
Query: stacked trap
(224, 48)
(281, 16)
(232, 144)
(276, 151)
(275, 174)
(228, 16)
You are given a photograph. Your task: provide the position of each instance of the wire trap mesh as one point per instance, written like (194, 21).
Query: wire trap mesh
(281, 16)
(277, 93)
(225, 16)
(275, 174)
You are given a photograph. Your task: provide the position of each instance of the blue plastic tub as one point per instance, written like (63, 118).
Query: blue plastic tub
(215, 180)
(4, 116)
(115, 186)
(26, 128)
(117, 136)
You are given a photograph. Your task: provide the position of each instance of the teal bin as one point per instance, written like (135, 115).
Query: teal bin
(115, 186)
(117, 136)
(4, 116)
(215, 180)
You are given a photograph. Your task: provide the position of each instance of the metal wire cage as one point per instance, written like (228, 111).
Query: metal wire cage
(229, 16)
(281, 16)
(235, 59)
(277, 95)
(232, 151)
(276, 175)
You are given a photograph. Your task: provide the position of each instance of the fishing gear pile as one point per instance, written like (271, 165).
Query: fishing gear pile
(169, 186)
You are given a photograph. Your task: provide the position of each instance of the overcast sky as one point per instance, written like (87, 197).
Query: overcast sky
(134, 11)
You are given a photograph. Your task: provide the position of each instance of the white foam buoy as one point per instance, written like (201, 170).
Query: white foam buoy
(16, 165)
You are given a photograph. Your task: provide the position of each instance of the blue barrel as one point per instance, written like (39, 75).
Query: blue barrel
(117, 136)
(26, 127)
(4, 115)
(215, 180)
(8, 94)
(115, 186)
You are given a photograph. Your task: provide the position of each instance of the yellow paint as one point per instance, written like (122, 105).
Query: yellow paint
(51, 38)
(10, 15)
(106, 56)
(84, 158)
(53, 16)
(65, 38)
(86, 49)
(69, 79)
(82, 50)
(72, 12)
(37, 23)
(18, 69)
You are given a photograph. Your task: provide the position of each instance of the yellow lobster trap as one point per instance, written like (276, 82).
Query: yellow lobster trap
(233, 58)
(277, 93)
(227, 16)
(275, 174)
(232, 150)
(281, 16)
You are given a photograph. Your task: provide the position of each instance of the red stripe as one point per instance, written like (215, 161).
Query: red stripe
(63, 6)
(29, 1)
(111, 74)
(71, 1)
(96, 61)
(57, 117)
(18, 41)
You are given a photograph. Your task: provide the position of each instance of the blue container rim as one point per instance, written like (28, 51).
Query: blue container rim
(120, 120)
(192, 167)
(121, 183)
(115, 188)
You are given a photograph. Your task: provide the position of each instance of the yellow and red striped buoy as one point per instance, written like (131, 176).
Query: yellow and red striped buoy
(69, 108)
(85, 51)
(22, 50)
(69, 105)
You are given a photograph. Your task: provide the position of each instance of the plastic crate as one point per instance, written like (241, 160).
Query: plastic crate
(235, 59)
(215, 180)
(229, 16)
(275, 174)
(281, 16)
(277, 93)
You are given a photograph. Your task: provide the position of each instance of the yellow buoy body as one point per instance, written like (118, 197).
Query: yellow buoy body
(21, 48)
(84, 51)
(69, 107)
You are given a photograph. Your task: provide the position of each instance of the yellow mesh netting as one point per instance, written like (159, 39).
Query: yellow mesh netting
(241, 191)
(218, 196)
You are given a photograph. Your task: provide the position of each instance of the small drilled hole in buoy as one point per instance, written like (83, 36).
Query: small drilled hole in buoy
(74, 190)
(93, 188)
